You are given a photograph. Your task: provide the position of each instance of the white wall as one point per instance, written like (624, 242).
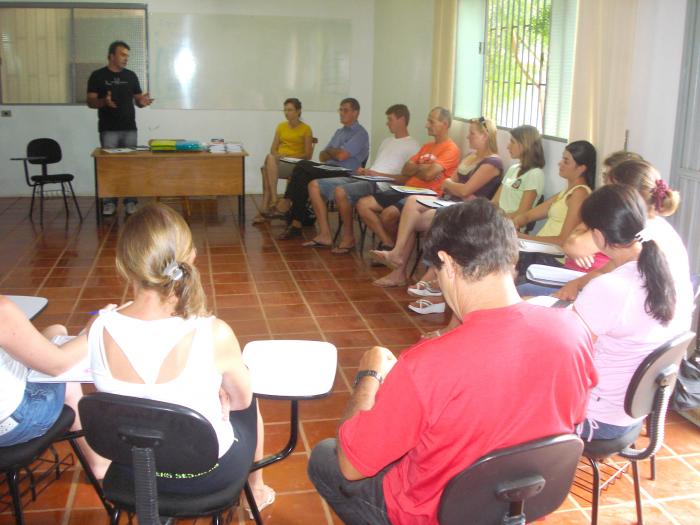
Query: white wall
(75, 127)
(403, 44)
(656, 69)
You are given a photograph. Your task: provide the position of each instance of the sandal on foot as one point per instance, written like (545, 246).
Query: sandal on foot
(269, 495)
(425, 289)
(426, 306)
(379, 256)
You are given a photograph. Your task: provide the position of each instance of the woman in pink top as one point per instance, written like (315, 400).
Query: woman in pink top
(631, 311)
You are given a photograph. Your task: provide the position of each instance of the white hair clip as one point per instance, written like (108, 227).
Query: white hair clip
(642, 235)
(173, 271)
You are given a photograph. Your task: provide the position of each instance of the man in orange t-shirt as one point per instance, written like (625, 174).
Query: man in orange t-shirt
(433, 163)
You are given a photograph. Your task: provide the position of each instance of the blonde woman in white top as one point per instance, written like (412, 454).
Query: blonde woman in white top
(165, 345)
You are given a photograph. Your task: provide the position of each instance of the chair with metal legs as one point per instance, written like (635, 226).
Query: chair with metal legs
(44, 152)
(647, 395)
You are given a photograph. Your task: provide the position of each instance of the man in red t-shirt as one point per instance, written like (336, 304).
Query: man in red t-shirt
(510, 373)
(433, 163)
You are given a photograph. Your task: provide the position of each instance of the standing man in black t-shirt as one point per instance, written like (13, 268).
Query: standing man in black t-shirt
(113, 90)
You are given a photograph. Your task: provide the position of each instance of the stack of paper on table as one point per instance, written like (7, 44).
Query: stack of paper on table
(373, 178)
(413, 190)
(328, 167)
(550, 275)
(539, 247)
(436, 203)
(550, 302)
(79, 373)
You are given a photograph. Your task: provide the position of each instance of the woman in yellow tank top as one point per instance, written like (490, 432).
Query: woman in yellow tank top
(293, 138)
(563, 211)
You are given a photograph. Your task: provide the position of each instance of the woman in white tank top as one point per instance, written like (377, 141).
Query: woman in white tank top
(164, 345)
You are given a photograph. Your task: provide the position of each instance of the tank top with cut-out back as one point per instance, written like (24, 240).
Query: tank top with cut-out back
(146, 345)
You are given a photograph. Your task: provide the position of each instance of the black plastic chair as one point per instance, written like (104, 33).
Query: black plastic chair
(148, 436)
(15, 458)
(648, 395)
(45, 152)
(499, 488)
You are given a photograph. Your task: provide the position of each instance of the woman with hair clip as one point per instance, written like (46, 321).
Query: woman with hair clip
(165, 345)
(661, 201)
(478, 175)
(631, 310)
(293, 138)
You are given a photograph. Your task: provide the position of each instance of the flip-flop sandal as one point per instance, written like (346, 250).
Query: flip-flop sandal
(269, 500)
(342, 250)
(426, 306)
(424, 289)
(315, 244)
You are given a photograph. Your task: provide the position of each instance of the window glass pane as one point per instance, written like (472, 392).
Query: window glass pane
(35, 55)
(94, 30)
(47, 54)
(469, 58)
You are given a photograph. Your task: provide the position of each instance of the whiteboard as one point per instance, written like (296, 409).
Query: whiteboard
(226, 61)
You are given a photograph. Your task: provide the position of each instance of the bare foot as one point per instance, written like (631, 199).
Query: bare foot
(386, 258)
(391, 280)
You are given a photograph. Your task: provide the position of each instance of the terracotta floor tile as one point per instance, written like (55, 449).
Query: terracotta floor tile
(685, 511)
(276, 286)
(272, 276)
(376, 307)
(673, 478)
(292, 325)
(234, 288)
(332, 309)
(285, 311)
(300, 336)
(324, 408)
(332, 296)
(281, 298)
(398, 336)
(54, 517)
(220, 278)
(395, 320)
(246, 312)
(235, 301)
(289, 474)
(316, 431)
(685, 438)
(625, 515)
(354, 338)
(277, 436)
(89, 517)
(302, 508)
(570, 517)
(341, 322)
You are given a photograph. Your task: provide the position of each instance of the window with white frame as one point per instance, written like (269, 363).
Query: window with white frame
(47, 53)
(514, 62)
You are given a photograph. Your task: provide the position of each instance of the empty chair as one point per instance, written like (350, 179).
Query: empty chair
(513, 485)
(647, 395)
(142, 437)
(45, 152)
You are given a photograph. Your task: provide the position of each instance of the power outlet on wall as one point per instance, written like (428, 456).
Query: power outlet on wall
(5, 113)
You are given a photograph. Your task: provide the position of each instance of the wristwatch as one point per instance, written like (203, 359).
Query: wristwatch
(366, 373)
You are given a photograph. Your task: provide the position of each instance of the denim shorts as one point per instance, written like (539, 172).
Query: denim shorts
(37, 412)
(354, 189)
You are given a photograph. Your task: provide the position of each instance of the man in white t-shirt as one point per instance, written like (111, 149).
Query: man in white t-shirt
(391, 156)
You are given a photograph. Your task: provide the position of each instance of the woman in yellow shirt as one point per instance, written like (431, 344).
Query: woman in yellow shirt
(293, 138)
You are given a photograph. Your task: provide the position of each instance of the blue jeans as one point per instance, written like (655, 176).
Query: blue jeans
(119, 139)
(37, 412)
(354, 189)
(356, 502)
(598, 430)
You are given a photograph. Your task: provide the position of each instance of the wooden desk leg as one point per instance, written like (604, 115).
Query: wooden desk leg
(98, 208)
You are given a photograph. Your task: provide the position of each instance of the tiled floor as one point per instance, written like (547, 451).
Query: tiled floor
(270, 289)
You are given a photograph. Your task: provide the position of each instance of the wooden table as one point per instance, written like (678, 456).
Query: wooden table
(169, 174)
